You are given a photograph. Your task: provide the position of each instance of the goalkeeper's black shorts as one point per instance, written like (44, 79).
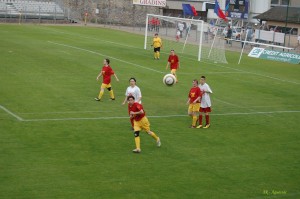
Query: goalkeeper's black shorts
(157, 49)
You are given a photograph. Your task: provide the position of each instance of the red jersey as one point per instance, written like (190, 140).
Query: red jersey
(173, 59)
(156, 22)
(194, 93)
(135, 107)
(152, 21)
(107, 71)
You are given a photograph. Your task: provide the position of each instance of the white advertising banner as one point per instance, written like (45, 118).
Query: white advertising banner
(272, 36)
(160, 3)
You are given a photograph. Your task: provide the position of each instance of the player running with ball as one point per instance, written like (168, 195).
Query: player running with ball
(173, 62)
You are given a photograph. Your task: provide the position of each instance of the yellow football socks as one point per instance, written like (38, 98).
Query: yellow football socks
(194, 120)
(154, 136)
(137, 142)
(100, 94)
(111, 93)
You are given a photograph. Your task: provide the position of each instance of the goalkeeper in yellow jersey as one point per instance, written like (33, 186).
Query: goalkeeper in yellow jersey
(157, 44)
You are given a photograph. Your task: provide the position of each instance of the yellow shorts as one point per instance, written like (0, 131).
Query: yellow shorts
(173, 71)
(143, 124)
(194, 107)
(105, 85)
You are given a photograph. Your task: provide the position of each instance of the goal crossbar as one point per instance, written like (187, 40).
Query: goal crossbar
(175, 19)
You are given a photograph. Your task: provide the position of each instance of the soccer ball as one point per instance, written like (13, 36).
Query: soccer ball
(169, 80)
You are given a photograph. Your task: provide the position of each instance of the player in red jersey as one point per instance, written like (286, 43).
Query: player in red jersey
(106, 72)
(194, 102)
(141, 122)
(173, 62)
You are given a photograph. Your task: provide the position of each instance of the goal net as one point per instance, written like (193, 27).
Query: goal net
(194, 38)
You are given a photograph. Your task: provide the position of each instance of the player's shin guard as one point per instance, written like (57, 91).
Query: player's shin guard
(137, 139)
(194, 120)
(100, 94)
(157, 54)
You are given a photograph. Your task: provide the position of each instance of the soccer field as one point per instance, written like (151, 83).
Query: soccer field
(58, 142)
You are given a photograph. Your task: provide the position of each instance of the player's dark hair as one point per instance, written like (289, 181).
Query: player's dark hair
(195, 81)
(156, 34)
(130, 96)
(173, 50)
(202, 77)
(107, 61)
(132, 78)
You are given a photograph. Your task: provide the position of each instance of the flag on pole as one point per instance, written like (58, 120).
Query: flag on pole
(226, 9)
(188, 9)
(219, 12)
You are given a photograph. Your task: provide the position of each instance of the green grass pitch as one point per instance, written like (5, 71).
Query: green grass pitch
(57, 142)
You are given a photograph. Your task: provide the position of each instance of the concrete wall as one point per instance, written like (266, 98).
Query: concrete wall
(124, 12)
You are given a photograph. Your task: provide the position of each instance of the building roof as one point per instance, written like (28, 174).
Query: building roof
(279, 14)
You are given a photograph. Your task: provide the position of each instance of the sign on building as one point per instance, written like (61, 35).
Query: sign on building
(160, 3)
(237, 9)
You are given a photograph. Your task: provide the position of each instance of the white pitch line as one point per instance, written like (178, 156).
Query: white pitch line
(66, 112)
(267, 76)
(93, 52)
(155, 116)
(90, 38)
(11, 113)
(238, 106)
(213, 73)
(235, 105)
(115, 43)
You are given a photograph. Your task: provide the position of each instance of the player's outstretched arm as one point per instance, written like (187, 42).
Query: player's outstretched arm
(100, 74)
(188, 101)
(167, 65)
(125, 100)
(116, 77)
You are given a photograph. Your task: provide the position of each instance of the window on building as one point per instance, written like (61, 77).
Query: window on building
(275, 2)
(285, 2)
(280, 2)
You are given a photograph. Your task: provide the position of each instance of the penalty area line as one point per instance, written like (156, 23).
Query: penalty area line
(155, 116)
(11, 113)
(93, 52)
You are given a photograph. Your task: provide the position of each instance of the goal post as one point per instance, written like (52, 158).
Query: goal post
(195, 38)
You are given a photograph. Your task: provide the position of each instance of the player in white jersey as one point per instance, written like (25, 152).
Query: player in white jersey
(205, 106)
(133, 90)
